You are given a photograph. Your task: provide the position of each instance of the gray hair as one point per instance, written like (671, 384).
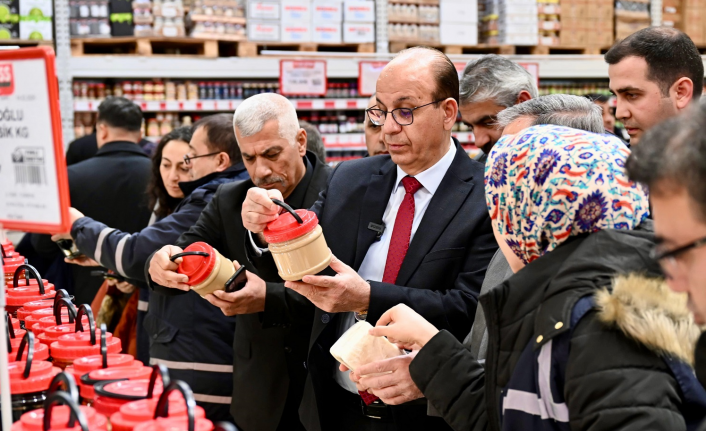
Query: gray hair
(255, 111)
(558, 109)
(314, 143)
(496, 78)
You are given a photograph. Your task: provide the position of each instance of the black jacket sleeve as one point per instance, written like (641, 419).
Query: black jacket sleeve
(452, 381)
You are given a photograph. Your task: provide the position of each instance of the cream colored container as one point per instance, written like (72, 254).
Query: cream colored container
(206, 268)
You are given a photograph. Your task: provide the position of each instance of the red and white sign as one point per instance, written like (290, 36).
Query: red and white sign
(302, 77)
(368, 74)
(34, 196)
(533, 69)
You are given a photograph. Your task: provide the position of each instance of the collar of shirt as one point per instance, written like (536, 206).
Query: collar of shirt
(431, 178)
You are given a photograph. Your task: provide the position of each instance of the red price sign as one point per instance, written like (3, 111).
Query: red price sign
(302, 77)
(368, 74)
(533, 69)
(7, 79)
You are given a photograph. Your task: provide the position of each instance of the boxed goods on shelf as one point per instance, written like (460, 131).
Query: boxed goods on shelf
(510, 22)
(358, 21)
(631, 16)
(358, 32)
(692, 22)
(458, 22)
(89, 18)
(9, 19)
(36, 28)
(586, 23)
(326, 33)
(296, 21)
(223, 19)
(326, 11)
(263, 31)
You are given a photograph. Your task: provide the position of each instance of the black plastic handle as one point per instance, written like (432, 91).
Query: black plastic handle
(189, 253)
(69, 386)
(27, 340)
(9, 343)
(162, 409)
(75, 412)
(10, 329)
(2, 250)
(163, 372)
(29, 269)
(85, 309)
(104, 347)
(289, 210)
(69, 307)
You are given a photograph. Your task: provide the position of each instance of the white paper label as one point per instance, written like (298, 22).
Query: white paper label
(303, 77)
(369, 74)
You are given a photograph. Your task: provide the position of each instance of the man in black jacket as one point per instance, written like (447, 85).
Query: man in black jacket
(110, 187)
(269, 354)
(413, 224)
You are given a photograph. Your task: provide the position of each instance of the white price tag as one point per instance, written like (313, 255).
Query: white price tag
(306, 78)
(34, 196)
(368, 74)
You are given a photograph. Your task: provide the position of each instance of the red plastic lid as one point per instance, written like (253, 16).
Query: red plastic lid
(287, 228)
(121, 373)
(180, 423)
(136, 412)
(41, 351)
(22, 295)
(40, 375)
(11, 265)
(38, 305)
(19, 333)
(33, 420)
(198, 268)
(73, 346)
(115, 394)
(32, 283)
(15, 323)
(87, 364)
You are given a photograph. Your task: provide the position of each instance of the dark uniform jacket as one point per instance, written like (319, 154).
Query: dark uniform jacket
(110, 187)
(269, 349)
(565, 354)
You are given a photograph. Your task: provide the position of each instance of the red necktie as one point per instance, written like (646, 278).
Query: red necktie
(399, 243)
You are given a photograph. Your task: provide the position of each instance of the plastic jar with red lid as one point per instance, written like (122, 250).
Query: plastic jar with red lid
(41, 350)
(30, 290)
(49, 328)
(70, 416)
(10, 265)
(43, 304)
(134, 413)
(104, 361)
(297, 243)
(29, 380)
(164, 421)
(89, 380)
(111, 395)
(70, 347)
(207, 269)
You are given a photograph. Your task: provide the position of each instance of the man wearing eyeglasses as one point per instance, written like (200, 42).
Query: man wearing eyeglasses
(670, 161)
(410, 227)
(201, 357)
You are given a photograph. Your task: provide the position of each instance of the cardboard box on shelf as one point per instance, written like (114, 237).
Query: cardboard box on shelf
(455, 11)
(326, 33)
(263, 31)
(325, 11)
(36, 28)
(296, 32)
(295, 11)
(354, 32)
(36, 8)
(520, 39)
(458, 34)
(358, 11)
(263, 10)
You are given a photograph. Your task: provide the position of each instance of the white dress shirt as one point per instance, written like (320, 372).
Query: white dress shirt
(373, 266)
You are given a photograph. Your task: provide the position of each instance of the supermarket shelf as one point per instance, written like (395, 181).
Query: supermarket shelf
(227, 105)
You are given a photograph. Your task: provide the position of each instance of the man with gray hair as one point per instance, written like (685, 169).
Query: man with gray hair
(488, 86)
(270, 345)
(558, 109)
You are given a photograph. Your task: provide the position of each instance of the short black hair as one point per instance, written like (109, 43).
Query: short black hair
(221, 135)
(672, 154)
(597, 98)
(670, 55)
(120, 113)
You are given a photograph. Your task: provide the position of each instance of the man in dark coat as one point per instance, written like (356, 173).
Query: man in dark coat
(270, 346)
(413, 224)
(109, 187)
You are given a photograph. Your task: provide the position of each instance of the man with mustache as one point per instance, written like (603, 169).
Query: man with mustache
(269, 355)
(655, 73)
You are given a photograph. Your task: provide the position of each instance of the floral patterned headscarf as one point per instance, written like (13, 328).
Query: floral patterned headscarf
(548, 183)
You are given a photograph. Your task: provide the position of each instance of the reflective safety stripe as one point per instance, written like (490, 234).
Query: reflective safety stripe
(99, 245)
(196, 366)
(213, 399)
(119, 255)
(543, 404)
(143, 305)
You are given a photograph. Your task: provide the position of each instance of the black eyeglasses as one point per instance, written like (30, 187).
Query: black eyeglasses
(188, 158)
(671, 255)
(402, 116)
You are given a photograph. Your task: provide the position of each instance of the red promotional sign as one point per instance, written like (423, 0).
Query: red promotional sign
(34, 196)
(302, 77)
(368, 74)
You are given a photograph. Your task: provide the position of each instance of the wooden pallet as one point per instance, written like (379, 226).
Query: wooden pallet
(458, 49)
(26, 43)
(550, 50)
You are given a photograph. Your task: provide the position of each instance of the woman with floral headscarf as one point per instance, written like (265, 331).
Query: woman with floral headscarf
(585, 335)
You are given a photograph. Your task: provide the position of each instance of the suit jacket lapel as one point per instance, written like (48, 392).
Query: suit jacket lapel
(451, 194)
(375, 201)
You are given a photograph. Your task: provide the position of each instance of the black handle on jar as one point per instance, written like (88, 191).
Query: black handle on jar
(35, 274)
(27, 340)
(104, 347)
(10, 329)
(162, 409)
(85, 309)
(189, 253)
(69, 385)
(61, 293)
(289, 210)
(75, 411)
(161, 370)
(69, 307)
(9, 343)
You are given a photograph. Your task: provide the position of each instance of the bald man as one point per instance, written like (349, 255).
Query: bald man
(410, 227)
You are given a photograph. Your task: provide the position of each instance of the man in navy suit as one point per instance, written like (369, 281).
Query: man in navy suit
(411, 228)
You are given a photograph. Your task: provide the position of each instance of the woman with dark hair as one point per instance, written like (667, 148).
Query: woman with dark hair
(586, 334)
(168, 170)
